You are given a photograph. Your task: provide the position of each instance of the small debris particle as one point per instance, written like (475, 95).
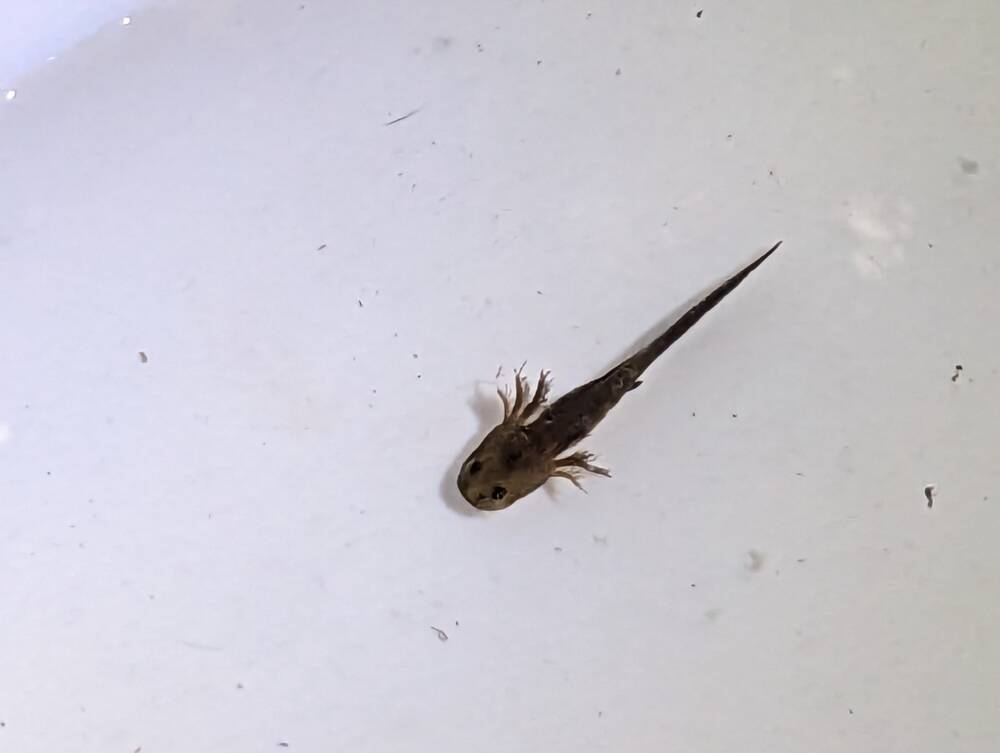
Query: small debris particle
(539, 292)
(618, 71)
(360, 304)
(694, 585)
(420, 376)
(930, 245)
(693, 414)
(538, 62)
(321, 247)
(143, 358)
(729, 136)
(958, 371)
(969, 166)
(557, 549)
(282, 745)
(401, 118)
(589, 15)
(499, 371)
(850, 711)
(799, 473)
(929, 491)
(239, 686)
(735, 415)
(698, 14)
(800, 560)
(456, 623)
(600, 714)
(442, 636)
(755, 561)
(599, 539)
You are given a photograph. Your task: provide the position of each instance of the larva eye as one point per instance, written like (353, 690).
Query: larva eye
(498, 493)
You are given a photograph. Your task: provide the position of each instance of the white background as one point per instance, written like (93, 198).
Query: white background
(36, 31)
(246, 540)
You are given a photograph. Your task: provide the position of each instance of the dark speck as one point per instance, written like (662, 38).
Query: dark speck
(442, 636)
(557, 549)
(929, 491)
(321, 247)
(958, 371)
(360, 304)
(618, 72)
(143, 358)
(735, 415)
(698, 14)
(969, 166)
(538, 62)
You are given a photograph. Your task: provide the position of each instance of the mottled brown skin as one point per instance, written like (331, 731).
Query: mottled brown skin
(523, 451)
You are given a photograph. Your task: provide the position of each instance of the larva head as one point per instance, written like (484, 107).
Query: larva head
(500, 470)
